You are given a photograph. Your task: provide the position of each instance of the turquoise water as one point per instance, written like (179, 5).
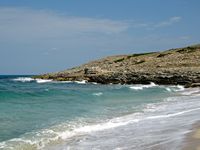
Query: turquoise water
(35, 114)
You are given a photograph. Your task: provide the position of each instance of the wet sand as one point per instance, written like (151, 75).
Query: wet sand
(192, 140)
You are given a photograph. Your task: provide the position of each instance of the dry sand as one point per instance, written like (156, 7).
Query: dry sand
(192, 140)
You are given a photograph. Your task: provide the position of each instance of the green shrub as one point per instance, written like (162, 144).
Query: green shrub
(139, 54)
(119, 60)
(163, 55)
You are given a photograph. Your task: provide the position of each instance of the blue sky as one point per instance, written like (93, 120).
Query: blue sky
(39, 36)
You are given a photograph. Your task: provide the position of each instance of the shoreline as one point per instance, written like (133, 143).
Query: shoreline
(140, 79)
(192, 139)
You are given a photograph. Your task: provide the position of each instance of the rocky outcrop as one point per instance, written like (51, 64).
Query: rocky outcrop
(174, 66)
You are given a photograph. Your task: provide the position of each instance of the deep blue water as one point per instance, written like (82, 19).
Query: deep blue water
(35, 114)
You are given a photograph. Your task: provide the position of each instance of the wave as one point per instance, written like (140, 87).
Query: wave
(81, 82)
(180, 88)
(97, 94)
(23, 79)
(28, 79)
(193, 91)
(43, 80)
(63, 81)
(174, 88)
(77, 82)
(93, 82)
(141, 87)
(168, 89)
(60, 133)
(173, 114)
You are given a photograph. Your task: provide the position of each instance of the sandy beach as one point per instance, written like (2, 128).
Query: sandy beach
(192, 140)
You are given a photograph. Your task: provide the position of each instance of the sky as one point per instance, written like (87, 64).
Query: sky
(41, 36)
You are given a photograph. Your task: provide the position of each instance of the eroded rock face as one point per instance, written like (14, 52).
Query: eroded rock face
(175, 66)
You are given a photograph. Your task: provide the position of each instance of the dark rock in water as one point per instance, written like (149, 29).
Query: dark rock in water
(175, 66)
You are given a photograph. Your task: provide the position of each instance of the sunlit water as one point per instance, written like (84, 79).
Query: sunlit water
(44, 114)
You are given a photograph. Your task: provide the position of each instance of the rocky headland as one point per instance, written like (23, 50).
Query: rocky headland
(171, 67)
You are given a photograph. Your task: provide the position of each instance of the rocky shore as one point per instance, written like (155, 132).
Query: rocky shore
(175, 66)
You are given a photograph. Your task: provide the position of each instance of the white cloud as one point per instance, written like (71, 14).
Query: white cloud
(153, 25)
(185, 37)
(16, 23)
(23, 24)
(168, 22)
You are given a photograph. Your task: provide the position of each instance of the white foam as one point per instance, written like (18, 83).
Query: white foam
(24, 79)
(97, 94)
(174, 88)
(168, 89)
(173, 114)
(141, 87)
(64, 131)
(81, 82)
(104, 126)
(184, 91)
(28, 79)
(191, 91)
(68, 130)
(94, 82)
(43, 80)
(128, 119)
(121, 121)
(154, 107)
(136, 87)
(113, 123)
(2, 144)
(180, 88)
(64, 82)
(45, 137)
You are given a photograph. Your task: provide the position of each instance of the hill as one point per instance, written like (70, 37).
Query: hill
(174, 66)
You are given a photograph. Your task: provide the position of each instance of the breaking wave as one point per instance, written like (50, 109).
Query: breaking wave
(28, 79)
(24, 79)
(174, 88)
(97, 94)
(60, 133)
(141, 87)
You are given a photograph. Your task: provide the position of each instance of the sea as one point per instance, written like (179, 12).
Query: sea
(38, 114)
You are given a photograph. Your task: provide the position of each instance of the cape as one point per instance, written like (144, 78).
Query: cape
(180, 66)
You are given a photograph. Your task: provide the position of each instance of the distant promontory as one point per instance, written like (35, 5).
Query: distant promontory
(171, 67)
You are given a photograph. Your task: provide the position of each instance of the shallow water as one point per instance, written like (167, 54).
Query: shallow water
(44, 114)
